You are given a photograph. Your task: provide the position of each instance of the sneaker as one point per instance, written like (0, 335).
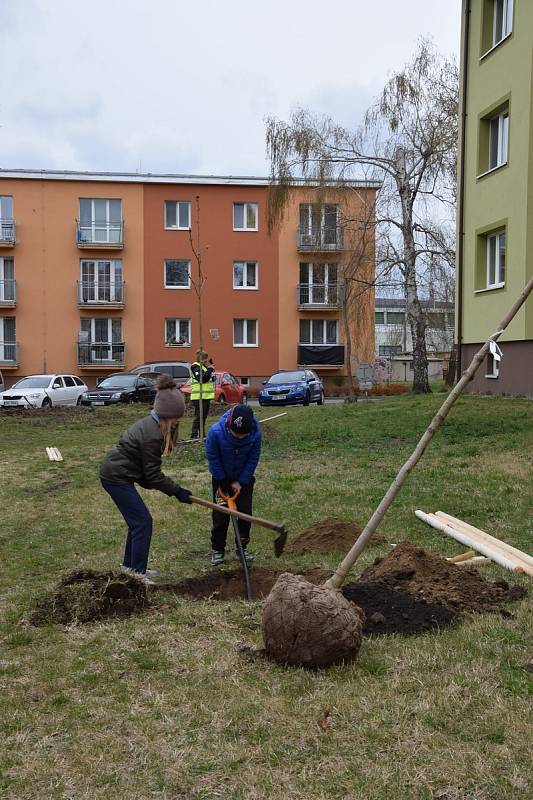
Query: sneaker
(145, 577)
(217, 557)
(248, 556)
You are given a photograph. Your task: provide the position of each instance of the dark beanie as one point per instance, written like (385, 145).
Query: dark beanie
(241, 419)
(169, 401)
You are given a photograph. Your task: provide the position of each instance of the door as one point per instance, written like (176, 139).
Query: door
(8, 341)
(71, 390)
(6, 218)
(57, 392)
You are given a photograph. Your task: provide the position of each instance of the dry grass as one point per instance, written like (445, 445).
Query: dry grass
(173, 705)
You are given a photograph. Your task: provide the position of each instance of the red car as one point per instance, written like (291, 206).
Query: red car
(227, 389)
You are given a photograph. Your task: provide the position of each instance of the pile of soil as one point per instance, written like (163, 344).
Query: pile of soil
(386, 610)
(429, 576)
(327, 535)
(86, 596)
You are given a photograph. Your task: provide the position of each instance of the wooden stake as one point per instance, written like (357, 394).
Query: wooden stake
(490, 550)
(339, 576)
(460, 525)
(462, 557)
(274, 417)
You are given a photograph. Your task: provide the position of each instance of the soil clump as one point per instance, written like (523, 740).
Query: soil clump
(327, 535)
(86, 595)
(434, 579)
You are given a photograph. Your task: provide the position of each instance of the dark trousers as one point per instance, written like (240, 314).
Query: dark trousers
(138, 519)
(219, 531)
(195, 431)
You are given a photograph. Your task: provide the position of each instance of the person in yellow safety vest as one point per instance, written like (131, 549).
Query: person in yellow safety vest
(201, 371)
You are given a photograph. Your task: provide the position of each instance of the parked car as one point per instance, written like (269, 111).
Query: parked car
(300, 386)
(121, 387)
(39, 391)
(227, 389)
(179, 370)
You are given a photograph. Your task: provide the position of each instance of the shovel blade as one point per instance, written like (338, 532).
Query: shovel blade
(279, 543)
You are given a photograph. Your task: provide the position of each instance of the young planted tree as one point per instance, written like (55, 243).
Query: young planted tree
(197, 283)
(408, 142)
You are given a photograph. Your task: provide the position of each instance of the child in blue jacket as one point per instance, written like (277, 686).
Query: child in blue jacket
(233, 448)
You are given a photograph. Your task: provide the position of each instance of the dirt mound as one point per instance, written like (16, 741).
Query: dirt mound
(327, 535)
(86, 595)
(431, 577)
(393, 611)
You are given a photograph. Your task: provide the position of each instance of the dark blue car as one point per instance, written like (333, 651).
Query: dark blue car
(296, 387)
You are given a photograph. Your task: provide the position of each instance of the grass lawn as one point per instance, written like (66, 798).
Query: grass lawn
(169, 705)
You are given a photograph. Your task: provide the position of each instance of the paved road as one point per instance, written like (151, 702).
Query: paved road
(330, 401)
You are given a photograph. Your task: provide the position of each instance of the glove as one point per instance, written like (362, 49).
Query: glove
(184, 495)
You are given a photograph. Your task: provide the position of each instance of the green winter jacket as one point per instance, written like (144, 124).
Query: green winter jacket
(137, 458)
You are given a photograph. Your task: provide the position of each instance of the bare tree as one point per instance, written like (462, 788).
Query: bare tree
(197, 283)
(407, 141)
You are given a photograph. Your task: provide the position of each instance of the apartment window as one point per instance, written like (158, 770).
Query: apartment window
(498, 139)
(100, 341)
(502, 20)
(493, 367)
(245, 275)
(379, 317)
(245, 333)
(319, 331)
(177, 274)
(100, 221)
(7, 280)
(496, 245)
(177, 215)
(395, 317)
(245, 217)
(8, 340)
(7, 224)
(178, 332)
(101, 281)
(244, 380)
(389, 350)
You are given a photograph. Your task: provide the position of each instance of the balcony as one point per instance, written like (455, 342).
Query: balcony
(321, 356)
(7, 232)
(100, 235)
(326, 239)
(101, 294)
(108, 355)
(8, 294)
(9, 355)
(322, 296)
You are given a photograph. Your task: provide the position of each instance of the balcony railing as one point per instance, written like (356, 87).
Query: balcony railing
(9, 354)
(101, 354)
(317, 239)
(108, 235)
(320, 295)
(7, 232)
(320, 355)
(8, 293)
(101, 293)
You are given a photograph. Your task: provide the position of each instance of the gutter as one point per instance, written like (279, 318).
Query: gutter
(460, 243)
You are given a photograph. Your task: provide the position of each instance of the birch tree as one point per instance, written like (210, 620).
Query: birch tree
(408, 141)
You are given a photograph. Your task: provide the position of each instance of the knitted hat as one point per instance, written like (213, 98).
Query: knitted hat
(168, 401)
(241, 419)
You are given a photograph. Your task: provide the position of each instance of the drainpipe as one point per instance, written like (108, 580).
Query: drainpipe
(462, 157)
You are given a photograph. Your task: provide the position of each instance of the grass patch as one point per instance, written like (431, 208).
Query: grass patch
(172, 704)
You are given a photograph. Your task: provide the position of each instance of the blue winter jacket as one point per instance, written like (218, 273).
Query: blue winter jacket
(231, 458)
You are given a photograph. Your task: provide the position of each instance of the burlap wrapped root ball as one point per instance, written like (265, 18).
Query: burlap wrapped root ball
(310, 626)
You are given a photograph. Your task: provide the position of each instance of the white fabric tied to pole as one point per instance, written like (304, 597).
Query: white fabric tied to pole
(495, 351)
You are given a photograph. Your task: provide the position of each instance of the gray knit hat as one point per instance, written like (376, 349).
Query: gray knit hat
(169, 401)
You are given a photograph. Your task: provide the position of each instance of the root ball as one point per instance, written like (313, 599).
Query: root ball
(310, 626)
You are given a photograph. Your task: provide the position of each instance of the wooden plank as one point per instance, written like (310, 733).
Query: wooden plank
(476, 543)
(455, 522)
(462, 557)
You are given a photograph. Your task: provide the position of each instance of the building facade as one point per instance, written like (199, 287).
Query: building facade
(393, 334)
(495, 190)
(100, 273)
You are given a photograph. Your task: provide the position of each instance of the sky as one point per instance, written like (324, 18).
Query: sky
(185, 87)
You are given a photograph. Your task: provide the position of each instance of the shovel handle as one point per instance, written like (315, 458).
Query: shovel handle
(265, 523)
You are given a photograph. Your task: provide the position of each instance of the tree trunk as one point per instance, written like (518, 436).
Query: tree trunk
(352, 389)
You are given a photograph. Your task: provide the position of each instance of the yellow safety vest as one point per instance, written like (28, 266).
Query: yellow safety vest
(208, 388)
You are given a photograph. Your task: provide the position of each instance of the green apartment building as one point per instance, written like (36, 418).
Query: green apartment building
(495, 190)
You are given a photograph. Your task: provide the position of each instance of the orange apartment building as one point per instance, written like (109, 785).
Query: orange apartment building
(98, 275)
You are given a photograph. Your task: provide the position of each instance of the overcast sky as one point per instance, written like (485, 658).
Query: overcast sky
(175, 86)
